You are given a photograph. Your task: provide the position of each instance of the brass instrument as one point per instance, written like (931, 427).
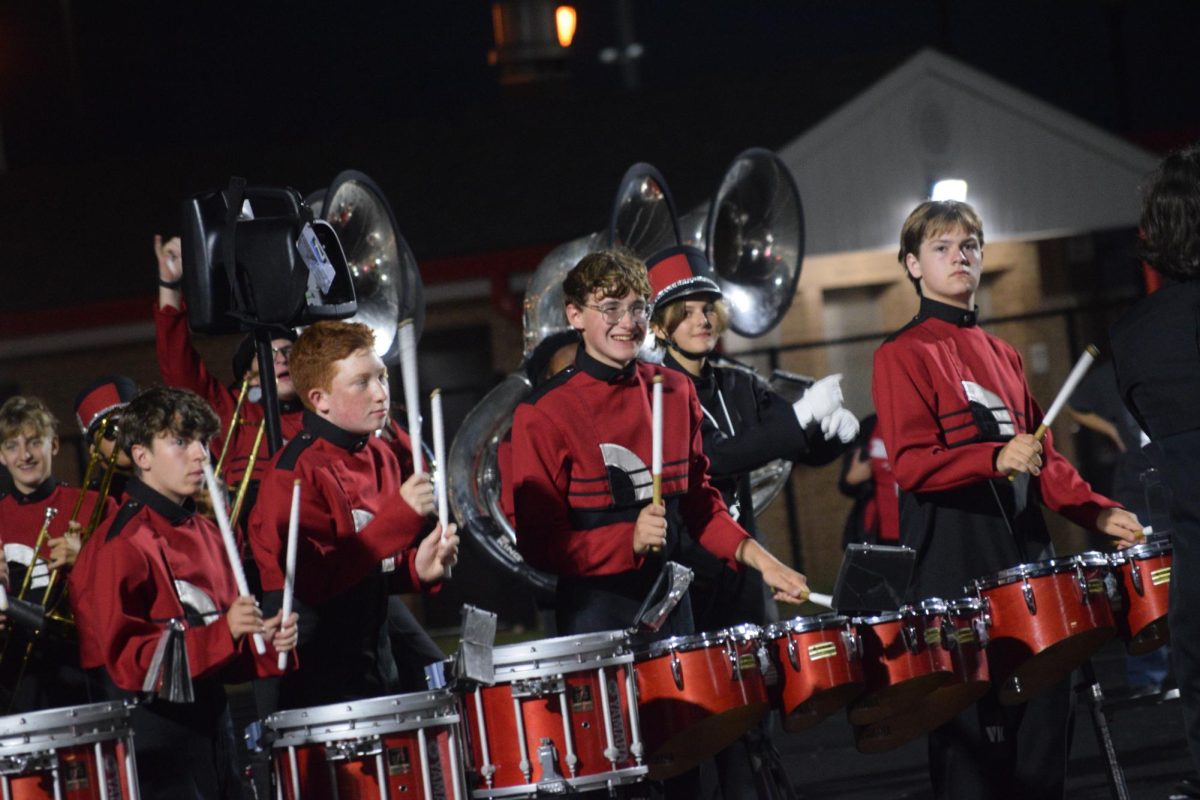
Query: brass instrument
(233, 423)
(43, 534)
(244, 483)
(94, 456)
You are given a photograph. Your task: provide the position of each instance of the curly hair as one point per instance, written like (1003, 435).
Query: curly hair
(931, 218)
(322, 345)
(1171, 216)
(165, 408)
(611, 273)
(19, 413)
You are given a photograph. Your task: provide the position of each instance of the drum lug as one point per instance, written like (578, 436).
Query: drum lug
(981, 625)
(949, 640)
(552, 782)
(853, 643)
(1081, 580)
(735, 665)
(33, 762)
(1135, 573)
(354, 749)
(793, 656)
(676, 670)
(1027, 590)
(908, 631)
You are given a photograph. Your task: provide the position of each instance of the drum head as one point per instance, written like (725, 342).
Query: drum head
(816, 622)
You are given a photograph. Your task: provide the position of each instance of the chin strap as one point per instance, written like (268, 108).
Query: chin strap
(672, 344)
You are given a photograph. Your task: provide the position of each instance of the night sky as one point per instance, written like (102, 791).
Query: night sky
(135, 105)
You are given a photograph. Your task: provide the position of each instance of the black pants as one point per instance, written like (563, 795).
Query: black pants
(995, 752)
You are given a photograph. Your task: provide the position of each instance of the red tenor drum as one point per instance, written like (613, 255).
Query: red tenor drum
(1045, 620)
(75, 753)
(956, 633)
(403, 746)
(818, 661)
(697, 695)
(902, 663)
(561, 717)
(1143, 582)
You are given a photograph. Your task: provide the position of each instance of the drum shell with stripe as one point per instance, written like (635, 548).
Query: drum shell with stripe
(818, 661)
(697, 695)
(902, 663)
(1142, 579)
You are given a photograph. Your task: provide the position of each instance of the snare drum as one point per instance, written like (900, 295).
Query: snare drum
(818, 661)
(561, 716)
(697, 695)
(957, 634)
(1045, 620)
(1143, 582)
(75, 753)
(384, 747)
(902, 663)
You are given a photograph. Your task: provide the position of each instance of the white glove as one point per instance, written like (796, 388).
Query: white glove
(841, 423)
(822, 399)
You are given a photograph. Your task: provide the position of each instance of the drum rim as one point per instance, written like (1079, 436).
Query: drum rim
(973, 604)
(805, 624)
(1039, 569)
(884, 616)
(32, 731)
(1141, 551)
(364, 717)
(744, 632)
(587, 645)
(678, 644)
(931, 605)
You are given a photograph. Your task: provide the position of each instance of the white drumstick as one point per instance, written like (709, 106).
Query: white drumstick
(1068, 388)
(439, 458)
(235, 560)
(3, 598)
(821, 599)
(656, 422)
(408, 372)
(289, 580)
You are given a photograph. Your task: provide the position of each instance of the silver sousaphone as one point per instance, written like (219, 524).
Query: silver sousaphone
(753, 234)
(643, 221)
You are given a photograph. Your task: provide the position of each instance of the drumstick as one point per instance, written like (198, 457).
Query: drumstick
(656, 443)
(408, 372)
(3, 598)
(821, 599)
(235, 560)
(439, 460)
(289, 581)
(1064, 394)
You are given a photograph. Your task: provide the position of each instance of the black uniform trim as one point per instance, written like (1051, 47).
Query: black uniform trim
(125, 513)
(293, 449)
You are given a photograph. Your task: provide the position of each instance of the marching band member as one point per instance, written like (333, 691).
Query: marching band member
(957, 417)
(28, 444)
(102, 397)
(182, 366)
(361, 525)
(1157, 359)
(580, 446)
(745, 426)
(157, 562)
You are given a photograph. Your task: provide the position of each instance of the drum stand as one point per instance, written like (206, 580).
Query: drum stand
(1094, 696)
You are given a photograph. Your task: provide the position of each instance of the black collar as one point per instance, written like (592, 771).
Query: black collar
(39, 494)
(948, 313)
(603, 372)
(702, 381)
(289, 406)
(173, 512)
(319, 426)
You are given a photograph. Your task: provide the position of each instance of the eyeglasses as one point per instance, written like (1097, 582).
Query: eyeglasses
(614, 313)
(285, 351)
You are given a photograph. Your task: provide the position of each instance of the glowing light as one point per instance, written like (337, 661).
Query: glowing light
(564, 21)
(949, 189)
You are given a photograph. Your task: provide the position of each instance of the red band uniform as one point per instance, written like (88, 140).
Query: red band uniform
(157, 561)
(52, 677)
(581, 455)
(948, 396)
(353, 526)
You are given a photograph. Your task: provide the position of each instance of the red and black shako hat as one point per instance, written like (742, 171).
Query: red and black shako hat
(99, 397)
(678, 272)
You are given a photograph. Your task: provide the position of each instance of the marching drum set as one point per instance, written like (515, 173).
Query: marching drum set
(601, 710)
